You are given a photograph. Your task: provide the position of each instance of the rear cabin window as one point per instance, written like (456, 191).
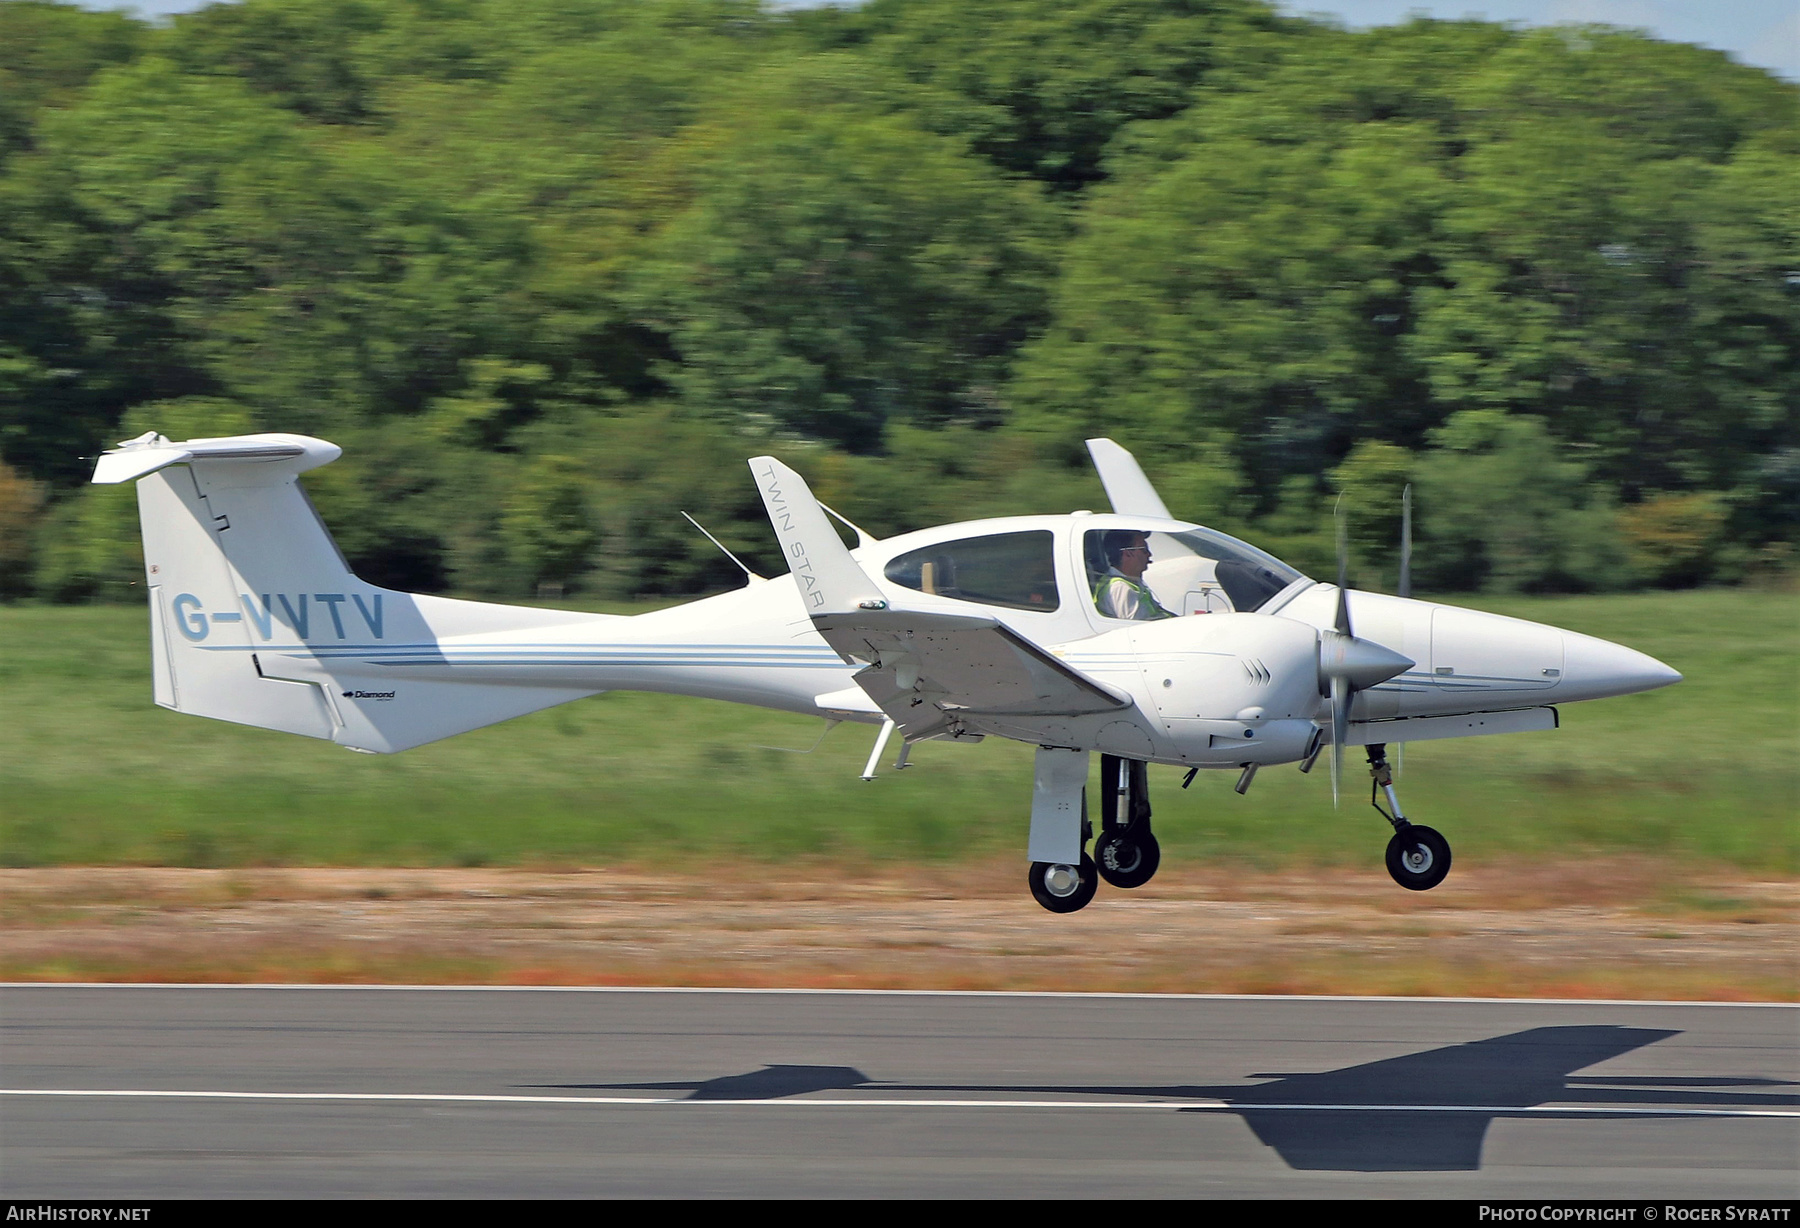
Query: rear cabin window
(1015, 570)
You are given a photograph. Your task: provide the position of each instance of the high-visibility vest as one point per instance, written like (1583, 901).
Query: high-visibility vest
(1145, 600)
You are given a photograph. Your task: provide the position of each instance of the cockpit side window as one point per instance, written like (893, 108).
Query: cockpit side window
(1015, 570)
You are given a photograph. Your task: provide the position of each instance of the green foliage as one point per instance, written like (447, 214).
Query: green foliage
(89, 549)
(20, 500)
(301, 52)
(544, 520)
(1372, 483)
(836, 266)
(1049, 82)
(1388, 229)
(48, 52)
(1510, 512)
(1676, 539)
(579, 257)
(189, 418)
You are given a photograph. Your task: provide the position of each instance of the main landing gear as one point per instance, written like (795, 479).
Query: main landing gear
(1126, 853)
(1061, 887)
(1418, 857)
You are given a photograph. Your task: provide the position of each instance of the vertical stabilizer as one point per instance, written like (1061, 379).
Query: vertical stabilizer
(256, 618)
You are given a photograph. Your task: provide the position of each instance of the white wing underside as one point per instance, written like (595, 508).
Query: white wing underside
(933, 673)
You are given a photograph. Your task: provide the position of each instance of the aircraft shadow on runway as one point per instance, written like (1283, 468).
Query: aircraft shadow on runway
(1470, 1085)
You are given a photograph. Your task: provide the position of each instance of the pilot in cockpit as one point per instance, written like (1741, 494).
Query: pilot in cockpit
(1121, 592)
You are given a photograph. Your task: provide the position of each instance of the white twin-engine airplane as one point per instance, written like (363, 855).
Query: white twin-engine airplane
(1071, 633)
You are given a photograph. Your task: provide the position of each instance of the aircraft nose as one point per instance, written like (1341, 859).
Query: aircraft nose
(1595, 669)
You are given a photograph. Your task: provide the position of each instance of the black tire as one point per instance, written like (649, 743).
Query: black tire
(1127, 861)
(1418, 858)
(1073, 901)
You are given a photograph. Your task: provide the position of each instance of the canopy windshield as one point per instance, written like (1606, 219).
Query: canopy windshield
(1194, 571)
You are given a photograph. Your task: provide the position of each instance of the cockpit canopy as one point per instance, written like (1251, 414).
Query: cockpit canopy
(1191, 570)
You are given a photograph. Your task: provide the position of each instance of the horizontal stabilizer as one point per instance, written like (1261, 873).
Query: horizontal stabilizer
(380, 708)
(289, 454)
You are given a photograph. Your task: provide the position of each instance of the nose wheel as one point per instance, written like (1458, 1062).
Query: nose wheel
(1418, 857)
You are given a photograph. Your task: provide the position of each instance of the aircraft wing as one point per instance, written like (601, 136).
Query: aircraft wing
(930, 669)
(926, 670)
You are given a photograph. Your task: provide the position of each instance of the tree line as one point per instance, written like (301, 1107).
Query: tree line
(549, 270)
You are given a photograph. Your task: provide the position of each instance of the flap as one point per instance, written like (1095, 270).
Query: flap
(852, 700)
(924, 670)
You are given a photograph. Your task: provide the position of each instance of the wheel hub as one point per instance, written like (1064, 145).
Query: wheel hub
(1061, 881)
(1418, 859)
(1123, 858)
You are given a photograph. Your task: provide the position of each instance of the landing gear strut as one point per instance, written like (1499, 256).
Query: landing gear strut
(1126, 852)
(1418, 857)
(1062, 877)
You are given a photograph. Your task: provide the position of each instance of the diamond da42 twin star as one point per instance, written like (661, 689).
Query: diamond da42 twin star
(1133, 635)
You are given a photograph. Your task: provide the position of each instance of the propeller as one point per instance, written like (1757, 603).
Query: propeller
(1405, 587)
(1340, 683)
(1348, 664)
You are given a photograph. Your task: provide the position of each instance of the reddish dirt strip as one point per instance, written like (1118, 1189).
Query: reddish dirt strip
(1619, 928)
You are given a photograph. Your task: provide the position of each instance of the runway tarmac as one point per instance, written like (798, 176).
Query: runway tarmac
(178, 1091)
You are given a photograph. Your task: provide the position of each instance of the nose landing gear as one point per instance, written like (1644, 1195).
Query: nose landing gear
(1418, 857)
(1127, 853)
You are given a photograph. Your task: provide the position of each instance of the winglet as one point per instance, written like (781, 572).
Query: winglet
(829, 580)
(1126, 485)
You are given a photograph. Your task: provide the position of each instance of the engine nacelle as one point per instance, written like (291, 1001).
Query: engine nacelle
(1232, 688)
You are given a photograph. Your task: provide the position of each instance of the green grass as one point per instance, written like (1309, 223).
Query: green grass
(92, 772)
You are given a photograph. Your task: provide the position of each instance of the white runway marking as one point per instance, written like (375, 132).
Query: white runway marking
(885, 993)
(872, 1102)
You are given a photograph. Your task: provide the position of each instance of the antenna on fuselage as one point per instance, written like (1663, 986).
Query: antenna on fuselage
(721, 545)
(862, 538)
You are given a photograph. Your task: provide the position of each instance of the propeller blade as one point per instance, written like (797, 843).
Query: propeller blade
(1343, 577)
(1340, 732)
(1405, 589)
